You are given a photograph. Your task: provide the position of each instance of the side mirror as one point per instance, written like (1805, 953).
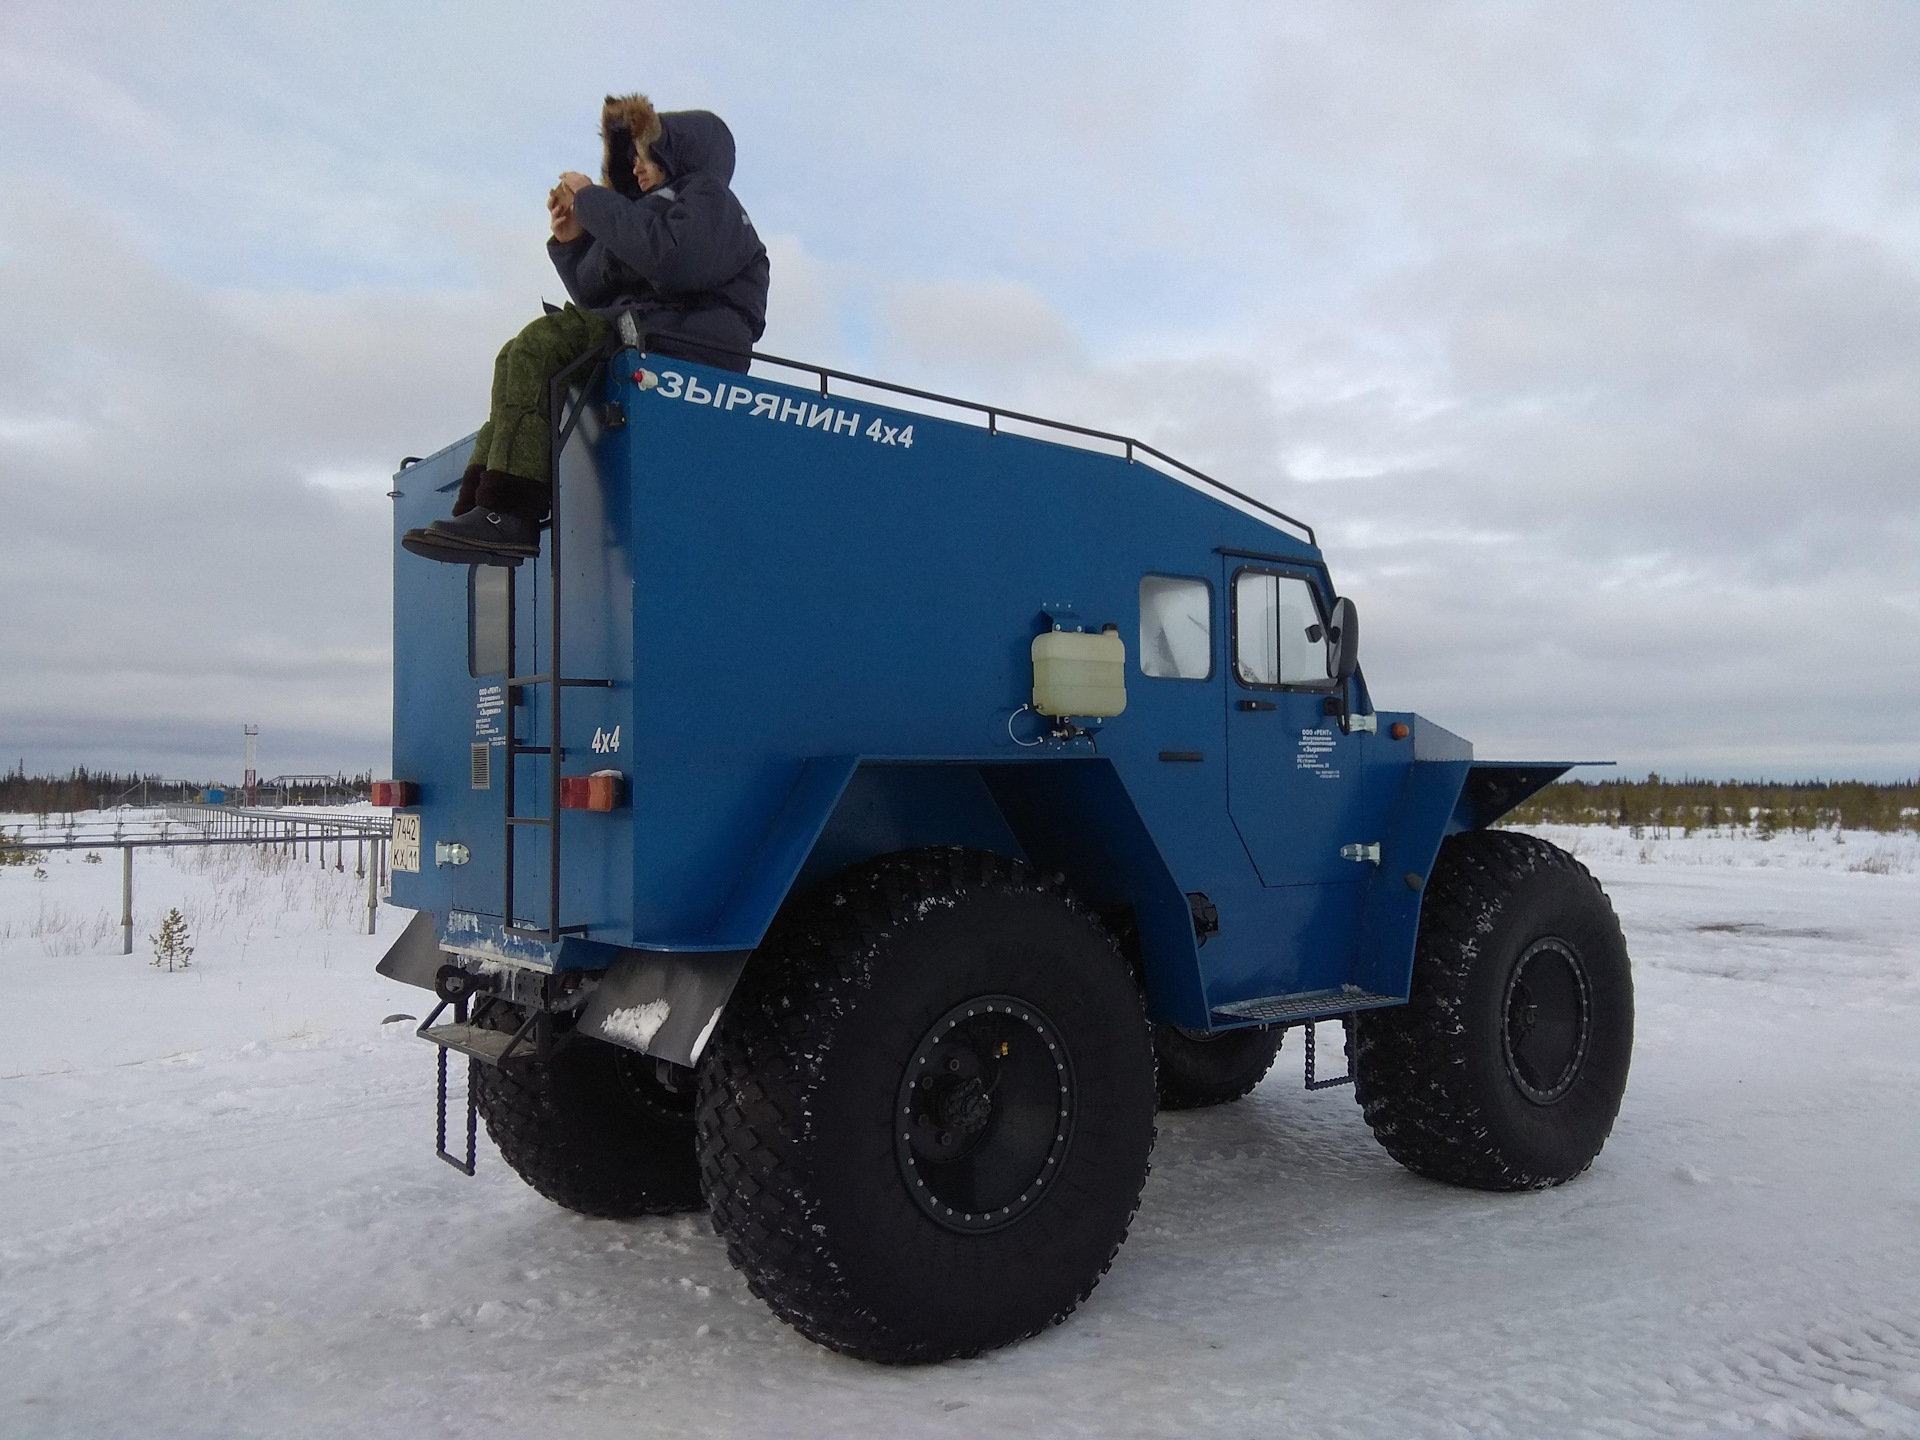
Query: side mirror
(1343, 633)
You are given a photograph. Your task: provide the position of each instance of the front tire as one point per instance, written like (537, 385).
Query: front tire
(926, 1117)
(1506, 1068)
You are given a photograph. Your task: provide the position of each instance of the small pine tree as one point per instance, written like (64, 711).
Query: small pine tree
(170, 947)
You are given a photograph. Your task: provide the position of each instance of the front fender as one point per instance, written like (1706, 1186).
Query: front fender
(1446, 791)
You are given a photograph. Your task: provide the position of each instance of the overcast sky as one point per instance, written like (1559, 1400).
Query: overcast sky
(1588, 336)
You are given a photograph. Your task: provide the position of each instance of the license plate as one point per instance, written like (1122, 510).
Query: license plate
(406, 843)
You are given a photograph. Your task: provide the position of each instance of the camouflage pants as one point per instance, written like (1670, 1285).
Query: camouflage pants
(514, 439)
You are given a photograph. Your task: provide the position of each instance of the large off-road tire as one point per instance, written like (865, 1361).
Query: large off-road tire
(594, 1129)
(926, 1117)
(1505, 1069)
(1197, 1069)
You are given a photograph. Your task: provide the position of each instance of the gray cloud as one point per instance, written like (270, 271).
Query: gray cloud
(1586, 337)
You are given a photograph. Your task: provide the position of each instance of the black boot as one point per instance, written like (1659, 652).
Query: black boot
(469, 490)
(502, 527)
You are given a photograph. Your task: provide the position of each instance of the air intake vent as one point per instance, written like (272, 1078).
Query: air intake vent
(482, 767)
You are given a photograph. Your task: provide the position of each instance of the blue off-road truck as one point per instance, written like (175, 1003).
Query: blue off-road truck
(871, 808)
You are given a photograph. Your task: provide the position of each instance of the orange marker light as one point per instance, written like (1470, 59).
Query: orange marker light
(605, 789)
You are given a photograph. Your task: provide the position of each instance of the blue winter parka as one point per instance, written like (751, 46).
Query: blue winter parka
(684, 259)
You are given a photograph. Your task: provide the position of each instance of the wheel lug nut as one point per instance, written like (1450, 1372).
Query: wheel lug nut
(954, 1064)
(945, 1137)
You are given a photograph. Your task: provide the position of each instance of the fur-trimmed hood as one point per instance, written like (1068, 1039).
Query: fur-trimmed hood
(626, 121)
(685, 262)
(682, 141)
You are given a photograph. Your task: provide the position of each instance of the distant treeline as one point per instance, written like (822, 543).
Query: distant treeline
(1689, 805)
(84, 789)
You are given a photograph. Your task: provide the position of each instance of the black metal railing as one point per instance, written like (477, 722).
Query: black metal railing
(1129, 446)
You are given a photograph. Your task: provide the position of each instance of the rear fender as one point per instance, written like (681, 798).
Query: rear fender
(1075, 818)
(1072, 818)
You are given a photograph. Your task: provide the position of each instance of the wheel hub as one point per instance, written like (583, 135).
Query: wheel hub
(985, 1110)
(965, 1107)
(652, 1092)
(1548, 1021)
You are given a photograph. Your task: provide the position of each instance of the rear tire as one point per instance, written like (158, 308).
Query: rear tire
(925, 1119)
(1505, 1069)
(593, 1129)
(1197, 1069)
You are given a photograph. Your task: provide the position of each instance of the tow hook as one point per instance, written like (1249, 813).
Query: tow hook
(453, 984)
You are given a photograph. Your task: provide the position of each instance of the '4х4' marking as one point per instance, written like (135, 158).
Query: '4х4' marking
(606, 742)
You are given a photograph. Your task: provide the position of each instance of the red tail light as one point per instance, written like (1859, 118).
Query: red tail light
(603, 790)
(395, 793)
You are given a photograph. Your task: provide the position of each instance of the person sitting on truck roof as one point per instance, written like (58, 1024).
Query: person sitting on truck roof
(663, 239)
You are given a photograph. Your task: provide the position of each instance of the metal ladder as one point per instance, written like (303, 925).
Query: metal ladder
(561, 420)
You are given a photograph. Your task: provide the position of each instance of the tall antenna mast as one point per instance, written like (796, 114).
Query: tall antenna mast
(252, 782)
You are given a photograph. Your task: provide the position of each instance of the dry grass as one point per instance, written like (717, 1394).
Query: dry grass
(231, 893)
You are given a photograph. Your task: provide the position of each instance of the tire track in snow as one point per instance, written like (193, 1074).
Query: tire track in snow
(1844, 1377)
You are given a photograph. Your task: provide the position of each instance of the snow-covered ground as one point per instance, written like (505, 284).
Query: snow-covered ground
(220, 1213)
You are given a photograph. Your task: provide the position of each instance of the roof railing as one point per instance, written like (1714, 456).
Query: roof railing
(995, 414)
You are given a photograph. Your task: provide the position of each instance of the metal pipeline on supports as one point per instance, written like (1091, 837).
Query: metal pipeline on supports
(210, 827)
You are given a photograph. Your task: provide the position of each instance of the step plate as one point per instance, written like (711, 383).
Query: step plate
(475, 1040)
(1306, 1006)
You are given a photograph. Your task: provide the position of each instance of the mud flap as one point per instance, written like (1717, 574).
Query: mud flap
(414, 958)
(663, 1005)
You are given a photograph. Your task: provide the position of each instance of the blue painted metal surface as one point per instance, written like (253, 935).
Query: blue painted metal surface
(816, 615)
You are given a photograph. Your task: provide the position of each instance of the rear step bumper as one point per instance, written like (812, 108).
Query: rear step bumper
(482, 1043)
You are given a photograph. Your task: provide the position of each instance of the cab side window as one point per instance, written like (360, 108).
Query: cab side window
(1176, 628)
(1279, 637)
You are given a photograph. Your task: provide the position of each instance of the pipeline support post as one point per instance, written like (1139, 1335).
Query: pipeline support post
(126, 899)
(373, 890)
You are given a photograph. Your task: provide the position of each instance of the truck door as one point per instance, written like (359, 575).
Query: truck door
(1293, 778)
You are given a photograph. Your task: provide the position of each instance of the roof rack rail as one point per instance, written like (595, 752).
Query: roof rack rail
(995, 414)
